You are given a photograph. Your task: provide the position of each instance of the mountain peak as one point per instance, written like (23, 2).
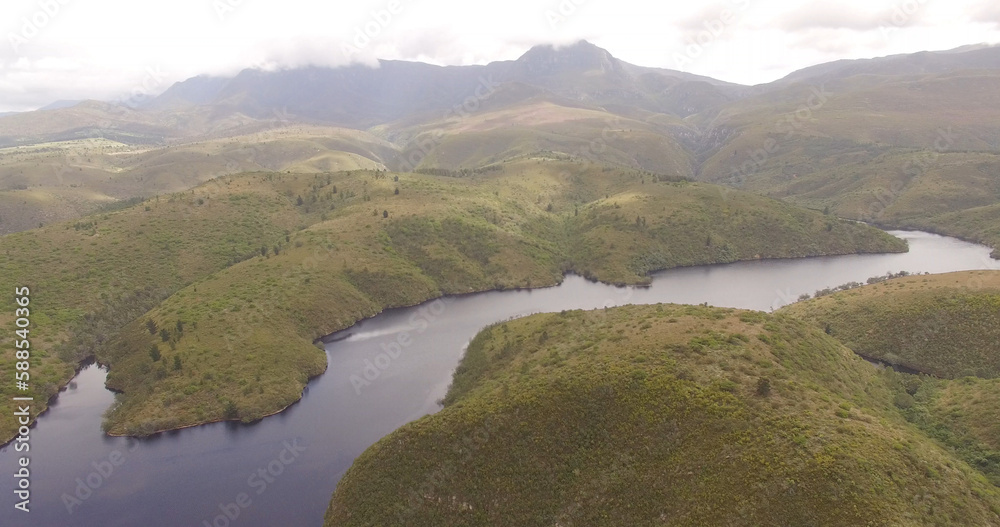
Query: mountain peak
(580, 56)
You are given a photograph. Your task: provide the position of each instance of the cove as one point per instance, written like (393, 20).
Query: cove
(383, 373)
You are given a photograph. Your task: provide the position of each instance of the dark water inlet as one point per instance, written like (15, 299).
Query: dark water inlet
(383, 372)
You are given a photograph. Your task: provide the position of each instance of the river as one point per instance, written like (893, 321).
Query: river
(383, 373)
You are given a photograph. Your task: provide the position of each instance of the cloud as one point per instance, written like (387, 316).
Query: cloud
(987, 13)
(111, 44)
(728, 12)
(829, 15)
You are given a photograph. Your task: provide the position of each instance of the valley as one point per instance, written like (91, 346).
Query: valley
(207, 247)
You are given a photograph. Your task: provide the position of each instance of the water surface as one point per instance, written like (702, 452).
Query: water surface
(190, 477)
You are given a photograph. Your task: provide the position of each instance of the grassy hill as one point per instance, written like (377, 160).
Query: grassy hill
(505, 129)
(652, 415)
(205, 303)
(946, 325)
(915, 151)
(50, 182)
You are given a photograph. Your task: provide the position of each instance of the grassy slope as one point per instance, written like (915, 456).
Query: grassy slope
(494, 134)
(90, 277)
(865, 153)
(651, 415)
(946, 325)
(51, 182)
(244, 340)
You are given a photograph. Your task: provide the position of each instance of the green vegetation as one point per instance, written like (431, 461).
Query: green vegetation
(49, 182)
(961, 414)
(645, 415)
(233, 280)
(944, 325)
(912, 152)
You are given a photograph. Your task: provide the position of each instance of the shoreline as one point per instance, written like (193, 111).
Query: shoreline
(326, 338)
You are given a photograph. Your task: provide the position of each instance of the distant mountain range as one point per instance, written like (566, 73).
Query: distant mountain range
(898, 140)
(361, 97)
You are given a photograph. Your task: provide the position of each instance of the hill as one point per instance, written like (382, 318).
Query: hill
(900, 151)
(206, 303)
(907, 141)
(944, 325)
(646, 415)
(58, 181)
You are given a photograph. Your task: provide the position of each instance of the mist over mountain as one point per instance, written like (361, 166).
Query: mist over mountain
(810, 138)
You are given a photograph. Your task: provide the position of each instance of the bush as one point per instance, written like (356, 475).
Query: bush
(904, 401)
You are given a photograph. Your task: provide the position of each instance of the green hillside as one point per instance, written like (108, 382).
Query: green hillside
(57, 181)
(899, 151)
(206, 303)
(945, 325)
(653, 415)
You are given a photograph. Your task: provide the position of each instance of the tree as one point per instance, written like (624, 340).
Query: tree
(763, 386)
(154, 352)
(385, 214)
(397, 191)
(165, 334)
(180, 327)
(263, 250)
(299, 201)
(151, 326)
(230, 412)
(177, 362)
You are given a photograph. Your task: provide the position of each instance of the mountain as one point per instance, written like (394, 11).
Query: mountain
(60, 104)
(665, 415)
(201, 265)
(903, 141)
(922, 63)
(362, 96)
(194, 91)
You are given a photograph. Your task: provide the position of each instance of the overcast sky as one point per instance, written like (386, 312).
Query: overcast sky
(107, 49)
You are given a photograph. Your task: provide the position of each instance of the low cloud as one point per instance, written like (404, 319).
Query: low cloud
(830, 16)
(987, 13)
